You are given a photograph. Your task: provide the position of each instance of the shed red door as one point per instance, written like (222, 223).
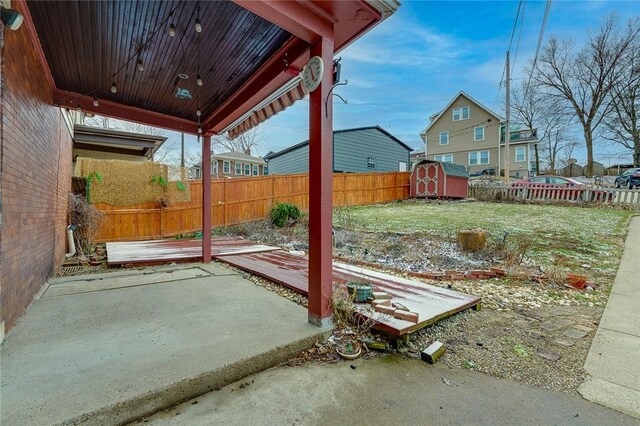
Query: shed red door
(426, 180)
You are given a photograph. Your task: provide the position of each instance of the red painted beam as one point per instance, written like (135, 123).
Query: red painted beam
(267, 79)
(206, 199)
(72, 100)
(321, 191)
(303, 22)
(21, 6)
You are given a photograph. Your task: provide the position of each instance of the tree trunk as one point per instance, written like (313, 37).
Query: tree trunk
(636, 152)
(535, 148)
(588, 139)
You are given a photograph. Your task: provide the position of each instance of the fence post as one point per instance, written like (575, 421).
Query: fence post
(224, 202)
(163, 222)
(273, 192)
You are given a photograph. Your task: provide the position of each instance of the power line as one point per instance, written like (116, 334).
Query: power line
(515, 56)
(535, 58)
(513, 32)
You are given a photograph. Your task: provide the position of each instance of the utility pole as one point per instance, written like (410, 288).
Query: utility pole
(507, 133)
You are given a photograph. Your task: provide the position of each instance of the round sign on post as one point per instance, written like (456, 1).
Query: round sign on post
(312, 74)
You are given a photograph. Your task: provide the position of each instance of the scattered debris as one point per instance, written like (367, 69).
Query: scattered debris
(548, 355)
(446, 382)
(433, 352)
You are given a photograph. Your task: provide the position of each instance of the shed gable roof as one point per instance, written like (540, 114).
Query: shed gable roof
(466, 95)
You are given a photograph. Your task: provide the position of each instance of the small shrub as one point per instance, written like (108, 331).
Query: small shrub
(284, 213)
(86, 219)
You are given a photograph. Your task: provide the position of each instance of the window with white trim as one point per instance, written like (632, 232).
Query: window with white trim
(247, 169)
(478, 133)
(238, 168)
(371, 162)
(265, 170)
(444, 138)
(462, 113)
(479, 157)
(444, 158)
(521, 154)
(214, 168)
(255, 170)
(226, 167)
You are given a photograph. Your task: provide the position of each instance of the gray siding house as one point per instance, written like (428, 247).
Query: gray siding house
(360, 150)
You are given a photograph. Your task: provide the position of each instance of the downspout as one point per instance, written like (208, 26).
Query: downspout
(71, 242)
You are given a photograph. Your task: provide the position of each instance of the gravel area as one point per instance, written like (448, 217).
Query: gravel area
(534, 333)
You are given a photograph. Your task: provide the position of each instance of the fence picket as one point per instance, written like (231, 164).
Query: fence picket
(246, 199)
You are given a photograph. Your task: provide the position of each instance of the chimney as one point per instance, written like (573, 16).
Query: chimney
(247, 151)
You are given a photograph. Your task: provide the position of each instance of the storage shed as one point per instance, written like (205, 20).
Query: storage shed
(435, 179)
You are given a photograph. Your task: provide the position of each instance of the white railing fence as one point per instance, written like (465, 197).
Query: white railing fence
(546, 194)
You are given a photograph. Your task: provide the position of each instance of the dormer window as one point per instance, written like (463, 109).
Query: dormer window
(461, 113)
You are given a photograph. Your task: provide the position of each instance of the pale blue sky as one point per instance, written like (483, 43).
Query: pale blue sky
(412, 64)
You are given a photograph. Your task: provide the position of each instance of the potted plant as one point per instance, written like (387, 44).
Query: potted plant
(351, 349)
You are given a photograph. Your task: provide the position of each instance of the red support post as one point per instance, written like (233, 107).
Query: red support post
(321, 190)
(206, 199)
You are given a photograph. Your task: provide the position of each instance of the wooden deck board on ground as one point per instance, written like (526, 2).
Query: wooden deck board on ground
(431, 303)
(172, 250)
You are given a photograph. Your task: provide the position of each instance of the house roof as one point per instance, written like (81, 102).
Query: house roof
(301, 144)
(466, 95)
(115, 141)
(238, 156)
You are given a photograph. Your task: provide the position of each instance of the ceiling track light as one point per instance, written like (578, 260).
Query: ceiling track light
(198, 112)
(95, 102)
(140, 65)
(198, 25)
(199, 80)
(172, 30)
(114, 88)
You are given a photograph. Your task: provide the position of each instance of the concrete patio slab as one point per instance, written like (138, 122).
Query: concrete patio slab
(112, 355)
(612, 362)
(385, 391)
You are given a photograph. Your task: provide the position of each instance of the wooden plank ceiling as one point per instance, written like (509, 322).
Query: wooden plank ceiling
(86, 42)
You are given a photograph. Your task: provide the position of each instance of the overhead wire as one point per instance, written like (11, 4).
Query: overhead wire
(540, 38)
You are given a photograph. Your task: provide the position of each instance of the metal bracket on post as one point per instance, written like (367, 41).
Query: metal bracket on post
(326, 101)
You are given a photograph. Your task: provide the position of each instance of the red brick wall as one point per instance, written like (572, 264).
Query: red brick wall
(35, 177)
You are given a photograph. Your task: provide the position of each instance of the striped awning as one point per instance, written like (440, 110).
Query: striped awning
(283, 98)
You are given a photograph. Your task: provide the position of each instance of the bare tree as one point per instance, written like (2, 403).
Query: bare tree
(622, 126)
(246, 142)
(566, 153)
(537, 110)
(585, 79)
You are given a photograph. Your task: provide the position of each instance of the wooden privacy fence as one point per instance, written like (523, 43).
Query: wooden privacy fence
(241, 200)
(546, 194)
